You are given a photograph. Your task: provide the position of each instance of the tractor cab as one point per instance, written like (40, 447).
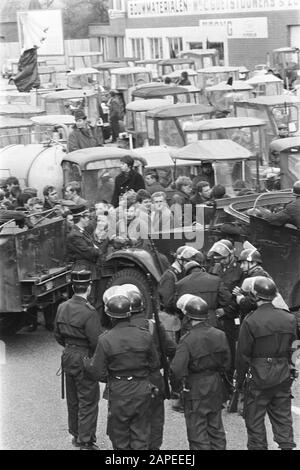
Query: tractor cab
(285, 154)
(266, 85)
(96, 169)
(210, 76)
(150, 64)
(67, 101)
(136, 126)
(165, 125)
(276, 111)
(171, 93)
(176, 76)
(123, 79)
(20, 110)
(105, 69)
(223, 95)
(228, 160)
(15, 131)
(248, 132)
(167, 66)
(53, 127)
(202, 57)
(286, 61)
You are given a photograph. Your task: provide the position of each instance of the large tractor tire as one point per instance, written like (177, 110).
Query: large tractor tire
(10, 323)
(136, 277)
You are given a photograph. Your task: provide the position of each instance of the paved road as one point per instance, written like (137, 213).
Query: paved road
(33, 416)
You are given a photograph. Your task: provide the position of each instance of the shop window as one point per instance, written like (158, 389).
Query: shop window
(175, 46)
(156, 48)
(137, 47)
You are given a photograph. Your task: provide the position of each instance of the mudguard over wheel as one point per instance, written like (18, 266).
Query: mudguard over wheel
(138, 278)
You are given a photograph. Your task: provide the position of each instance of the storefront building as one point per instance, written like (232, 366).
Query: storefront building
(243, 31)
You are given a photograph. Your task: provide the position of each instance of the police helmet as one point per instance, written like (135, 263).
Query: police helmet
(196, 308)
(81, 277)
(264, 288)
(118, 306)
(220, 249)
(250, 254)
(247, 285)
(110, 292)
(136, 302)
(296, 187)
(190, 253)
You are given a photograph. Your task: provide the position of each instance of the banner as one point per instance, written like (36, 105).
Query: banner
(148, 8)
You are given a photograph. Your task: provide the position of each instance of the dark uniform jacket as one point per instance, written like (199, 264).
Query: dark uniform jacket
(264, 344)
(124, 182)
(166, 289)
(124, 351)
(138, 319)
(90, 136)
(209, 287)
(77, 323)
(82, 250)
(290, 214)
(201, 355)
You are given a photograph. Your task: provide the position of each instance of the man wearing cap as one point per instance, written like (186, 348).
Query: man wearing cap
(263, 368)
(201, 356)
(84, 135)
(128, 179)
(77, 327)
(124, 359)
(82, 250)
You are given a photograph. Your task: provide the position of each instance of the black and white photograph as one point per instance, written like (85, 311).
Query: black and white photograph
(149, 227)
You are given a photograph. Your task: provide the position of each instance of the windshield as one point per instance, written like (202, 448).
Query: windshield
(225, 100)
(71, 172)
(229, 172)
(268, 89)
(252, 138)
(287, 115)
(294, 165)
(99, 179)
(213, 78)
(168, 133)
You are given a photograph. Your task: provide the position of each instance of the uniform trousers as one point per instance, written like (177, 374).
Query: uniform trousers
(276, 402)
(129, 409)
(204, 427)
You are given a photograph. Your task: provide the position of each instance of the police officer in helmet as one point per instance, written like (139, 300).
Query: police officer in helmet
(77, 327)
(124, 359)
(138, 318)
(263, 368)
(201, 355)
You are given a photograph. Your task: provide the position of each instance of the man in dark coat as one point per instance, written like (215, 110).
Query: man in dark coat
(263, 362)
(210, 287)
(83, 251)
(83, 134)
(124, 359)
(201, 356)
(77, 327)
(115, 115)
(290, 214)
(126, 180)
